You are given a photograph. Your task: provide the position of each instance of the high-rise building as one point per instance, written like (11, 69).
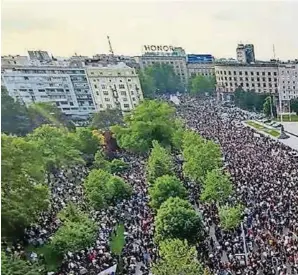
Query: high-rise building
(115, 86)
(245, 53)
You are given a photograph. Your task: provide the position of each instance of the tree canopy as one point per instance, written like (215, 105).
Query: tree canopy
(176, 218)
(24, 195)
(103, 120)
(14, 115)
(159, 163)
(201, 85)
(165, 187)
(200, 156)
(103, 188)
(76, 233)
(57, 146)
(151, 120)
(249, 100)
(269, 107)
(217, 187)
(294, 105)
(177, 257)
(13, 265)
(159, 79)
(230, 217)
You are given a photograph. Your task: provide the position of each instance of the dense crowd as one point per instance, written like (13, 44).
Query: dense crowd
(264, 173)
(265, 177)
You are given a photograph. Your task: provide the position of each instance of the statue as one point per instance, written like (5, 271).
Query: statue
(282, 135)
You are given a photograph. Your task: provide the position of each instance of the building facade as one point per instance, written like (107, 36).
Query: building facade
(68, 87)
(115, 86)
(288, 83)
(174, 56)
(261, 78)
(200, 64)
(245, 53)
(42, 56)
(14, 60)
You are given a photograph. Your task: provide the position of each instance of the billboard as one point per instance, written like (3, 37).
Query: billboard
(200, 58)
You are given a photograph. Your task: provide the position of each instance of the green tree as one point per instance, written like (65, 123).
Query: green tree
(57, 146)
(74, 236)
(164, 78)
(88, 143)
(217, 187)
(267, 106)
(230, 217)
(103, 120)
(159, 163)
(294, 105)
(96, 188)
(176, 218)
(177, 257)
(118, 165)
(48, 113)
(151, 120)
(24, 196)
(177, 137)
(14, 115)
(13, 265)
(201, 85)
(200, 158)
(165, 187)
(118, 189)
(100, 162)
(103, 188)
(147, 84)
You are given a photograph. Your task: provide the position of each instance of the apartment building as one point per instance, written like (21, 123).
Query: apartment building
(67, 87)
(260, 77)
(245, 53)
(14, 60)
(115, 86)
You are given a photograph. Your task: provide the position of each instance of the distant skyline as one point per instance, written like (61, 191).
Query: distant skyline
(67, 27)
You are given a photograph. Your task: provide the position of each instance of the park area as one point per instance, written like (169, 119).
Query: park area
(262, 128)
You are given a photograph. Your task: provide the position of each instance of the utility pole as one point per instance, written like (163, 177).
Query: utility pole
(244, 243)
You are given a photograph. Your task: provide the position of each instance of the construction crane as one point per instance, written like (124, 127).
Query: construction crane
(110, 45)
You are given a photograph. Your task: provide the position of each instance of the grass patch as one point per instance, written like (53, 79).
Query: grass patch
(264, 129)
(52, 259)
(287, 118)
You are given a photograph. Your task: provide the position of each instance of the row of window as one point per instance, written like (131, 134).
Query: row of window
(245, 73)
(264, 79)
(107, 99)
(250, 85)
(118, 73)
(110, 106)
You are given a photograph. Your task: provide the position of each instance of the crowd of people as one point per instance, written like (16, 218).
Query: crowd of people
(265, 178)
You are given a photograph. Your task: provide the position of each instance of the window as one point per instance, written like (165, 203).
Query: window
(229, 72)
(129, 80)
(258, 73)
(109, 106)
(103, 86)
(107, 99)
(251, 73)
(240, 73)
(106, 93)
(133, 99)
(235, 73)
(126, 105)
(71, 103)
(275, 73)
(125, 99)
(123, 93)
(263, 73)
(121, 86)
(26, 77)
(95, 86)
(246, 73)
(269, 73)
(97, 93)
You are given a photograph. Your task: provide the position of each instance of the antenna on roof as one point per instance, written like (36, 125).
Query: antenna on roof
(273, 51)
(110, 46)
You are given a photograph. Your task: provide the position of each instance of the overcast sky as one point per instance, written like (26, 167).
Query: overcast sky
(66, 27)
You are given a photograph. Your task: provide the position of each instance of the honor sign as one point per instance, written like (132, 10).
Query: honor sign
(157, 48)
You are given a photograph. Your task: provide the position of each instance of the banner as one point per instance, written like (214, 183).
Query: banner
(110, 271)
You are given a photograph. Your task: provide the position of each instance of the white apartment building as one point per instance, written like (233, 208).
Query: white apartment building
(204, 69)
(14, 60)
(260, 77)
(288, 81)
(67, 87)
(115, 86)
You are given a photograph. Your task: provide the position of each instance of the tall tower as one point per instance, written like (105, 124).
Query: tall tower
(110, 46)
